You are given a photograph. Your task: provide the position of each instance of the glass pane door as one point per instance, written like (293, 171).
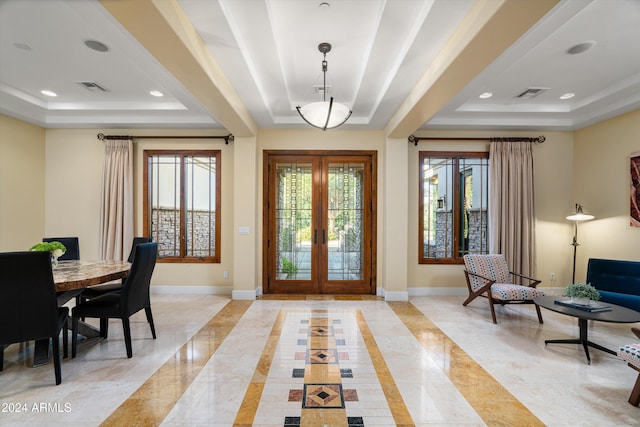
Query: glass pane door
(345, 218)
(293, 220)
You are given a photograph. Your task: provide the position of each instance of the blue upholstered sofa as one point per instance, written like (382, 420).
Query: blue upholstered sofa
(617, 281)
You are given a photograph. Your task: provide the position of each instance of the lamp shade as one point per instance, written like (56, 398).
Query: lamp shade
(325, 114)
(579, 215)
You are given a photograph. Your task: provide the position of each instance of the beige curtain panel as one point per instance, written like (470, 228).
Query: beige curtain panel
(511, 203)
(116, 221)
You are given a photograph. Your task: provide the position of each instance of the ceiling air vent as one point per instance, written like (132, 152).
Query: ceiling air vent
(532, 92)
(93, 86)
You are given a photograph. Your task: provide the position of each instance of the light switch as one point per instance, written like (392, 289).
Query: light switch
(244, 230)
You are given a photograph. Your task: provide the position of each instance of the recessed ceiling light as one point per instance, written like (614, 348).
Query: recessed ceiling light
(324, 5)
(96, 45)
(581, 47)
(156, 93)
(568, 95)
(48, 93)
(485, 95)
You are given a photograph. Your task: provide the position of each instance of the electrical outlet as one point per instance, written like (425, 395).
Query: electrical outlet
(552, 276)
(226, 274)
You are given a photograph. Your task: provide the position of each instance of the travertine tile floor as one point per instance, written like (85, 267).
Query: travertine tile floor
(318, 361)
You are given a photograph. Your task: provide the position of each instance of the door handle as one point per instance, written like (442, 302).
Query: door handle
(315, 236)
(324, 237)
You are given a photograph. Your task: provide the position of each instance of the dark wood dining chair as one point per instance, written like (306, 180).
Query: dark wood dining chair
(28, 307)
(122, 305)
(72, 245)
(96, 291)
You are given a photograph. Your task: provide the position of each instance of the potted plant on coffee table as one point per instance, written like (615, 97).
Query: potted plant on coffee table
(582, 293)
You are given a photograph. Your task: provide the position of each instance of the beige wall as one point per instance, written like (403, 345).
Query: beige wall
(553, 192)
(602, 183)
(22, 184)
(590, 166)
(74, 176)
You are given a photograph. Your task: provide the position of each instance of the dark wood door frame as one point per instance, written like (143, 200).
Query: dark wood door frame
(268, 156)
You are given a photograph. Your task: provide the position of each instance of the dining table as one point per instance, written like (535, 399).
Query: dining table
(70, 279)
(79, 274)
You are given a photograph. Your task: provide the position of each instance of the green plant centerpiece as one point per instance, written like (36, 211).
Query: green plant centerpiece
(56, 249)
(582, 293)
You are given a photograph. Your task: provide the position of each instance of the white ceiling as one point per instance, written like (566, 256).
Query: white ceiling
(267, 49)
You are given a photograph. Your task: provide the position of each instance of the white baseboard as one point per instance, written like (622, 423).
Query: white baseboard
(396, 296)
(437, 292)
(191, 290)
(243, 295)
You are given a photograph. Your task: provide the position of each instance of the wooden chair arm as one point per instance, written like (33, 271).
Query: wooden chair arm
(535, 282)
(636, 331)
(486, 279)
(485, 288)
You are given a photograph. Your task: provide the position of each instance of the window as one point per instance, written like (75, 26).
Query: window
(453, 206)
(182, 204)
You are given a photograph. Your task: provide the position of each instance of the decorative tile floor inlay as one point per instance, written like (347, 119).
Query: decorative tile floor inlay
(322, 355)
(302, 352)
(323, 396)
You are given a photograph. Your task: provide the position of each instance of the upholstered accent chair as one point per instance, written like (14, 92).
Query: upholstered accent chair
(630, 353)
(488, 276)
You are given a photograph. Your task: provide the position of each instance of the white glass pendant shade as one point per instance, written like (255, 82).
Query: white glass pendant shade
(324, 115)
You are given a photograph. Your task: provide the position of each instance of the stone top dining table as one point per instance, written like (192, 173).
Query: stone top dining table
(79, 274)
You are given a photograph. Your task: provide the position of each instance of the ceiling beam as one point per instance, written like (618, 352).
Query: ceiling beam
(490, 27)
(162, 27)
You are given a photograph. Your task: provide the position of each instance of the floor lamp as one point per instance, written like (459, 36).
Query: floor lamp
(577, 216)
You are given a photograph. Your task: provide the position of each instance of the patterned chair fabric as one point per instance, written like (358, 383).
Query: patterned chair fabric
(630, 353)
(482, 270)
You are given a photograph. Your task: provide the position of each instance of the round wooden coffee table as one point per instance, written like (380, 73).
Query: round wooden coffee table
(617, 314)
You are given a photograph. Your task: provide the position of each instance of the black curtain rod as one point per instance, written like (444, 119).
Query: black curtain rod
(227, 138)
(415, 139)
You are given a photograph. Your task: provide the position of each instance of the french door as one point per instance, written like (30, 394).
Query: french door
(319, 222)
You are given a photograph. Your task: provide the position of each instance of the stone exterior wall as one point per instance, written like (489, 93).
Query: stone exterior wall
(478, 228)
(164, 229)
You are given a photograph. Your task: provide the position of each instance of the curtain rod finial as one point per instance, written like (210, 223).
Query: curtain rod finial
(101, 136)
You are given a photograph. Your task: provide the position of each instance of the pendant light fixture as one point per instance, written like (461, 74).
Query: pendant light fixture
(325, 114)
